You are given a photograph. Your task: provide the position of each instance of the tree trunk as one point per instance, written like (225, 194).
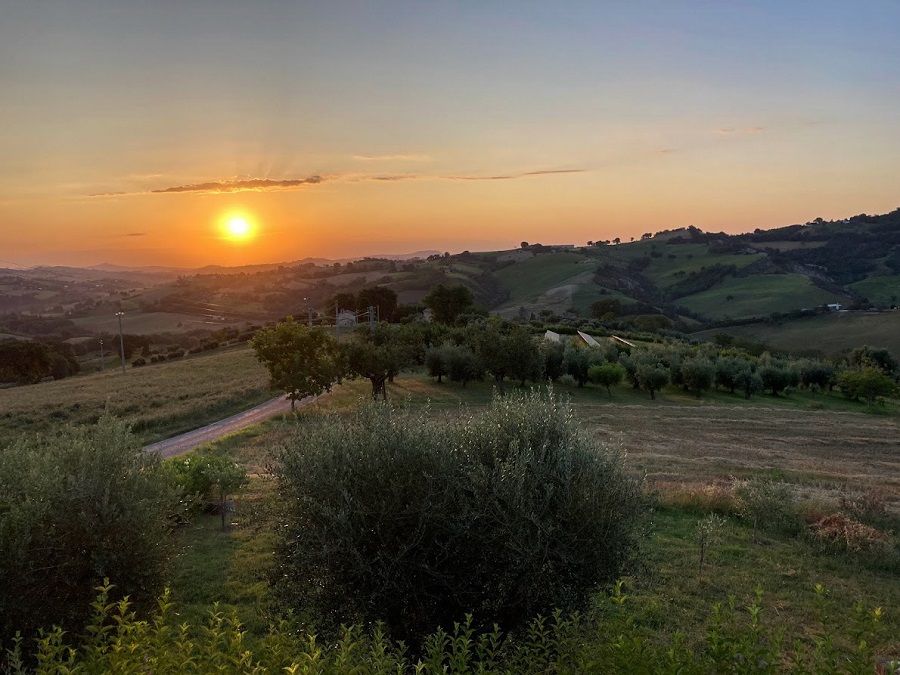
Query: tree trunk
(652, 394)
(608, 391)
(500, 386)
(222, 505)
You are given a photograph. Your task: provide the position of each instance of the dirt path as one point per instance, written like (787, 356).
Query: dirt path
(186, 442)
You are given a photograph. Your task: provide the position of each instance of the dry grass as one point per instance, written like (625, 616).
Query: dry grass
(159, 400)
(825, 451)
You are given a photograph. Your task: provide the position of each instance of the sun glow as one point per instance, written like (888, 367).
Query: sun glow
(237, 228)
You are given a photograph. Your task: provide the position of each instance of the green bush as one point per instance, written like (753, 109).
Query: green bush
(75, 507)
(395, 517)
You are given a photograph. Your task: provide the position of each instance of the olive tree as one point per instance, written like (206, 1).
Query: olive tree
(77, 506)
(397, 516)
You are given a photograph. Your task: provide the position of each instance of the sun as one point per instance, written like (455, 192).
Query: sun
(237, 228)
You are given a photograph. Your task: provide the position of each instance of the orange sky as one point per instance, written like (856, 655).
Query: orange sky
(128, 133)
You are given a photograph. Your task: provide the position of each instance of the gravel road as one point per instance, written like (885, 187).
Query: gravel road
(186, 442)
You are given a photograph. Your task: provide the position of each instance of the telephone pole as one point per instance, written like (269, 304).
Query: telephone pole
(121, 339)
(336, 312)
(308, 313)
(101, 356)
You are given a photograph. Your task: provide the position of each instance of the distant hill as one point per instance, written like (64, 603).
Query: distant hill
(698, 280)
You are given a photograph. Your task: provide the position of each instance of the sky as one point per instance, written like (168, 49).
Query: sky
(132, 133)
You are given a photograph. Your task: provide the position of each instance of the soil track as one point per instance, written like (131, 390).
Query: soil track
(186, 442)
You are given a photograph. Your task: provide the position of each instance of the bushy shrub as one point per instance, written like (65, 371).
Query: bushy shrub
(769, 505)
(395, 516)
(75, 507)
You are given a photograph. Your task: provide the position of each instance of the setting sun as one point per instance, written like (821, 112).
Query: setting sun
(237, 228)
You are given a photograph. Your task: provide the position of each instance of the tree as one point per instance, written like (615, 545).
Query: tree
(437, 362)
(401, 517)
(652, 378)
(378, 356)
(607, 375)
(225, 478)
(301, 361)
(749, 382)
(24, 362)
(869, 383)
(605, 309)
(77, 506)
(462, 364)
(381, 297)
(728, 370)
(506, 350)
(777, 376)
(698, 374)
(577, 361)
(448, 303)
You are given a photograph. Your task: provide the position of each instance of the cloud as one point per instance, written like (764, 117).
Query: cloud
(513, 176)
(243, 185)
(136, 234)
(269, 185)
(730, 131)
(393, 158)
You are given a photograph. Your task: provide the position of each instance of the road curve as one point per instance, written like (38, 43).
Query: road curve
(186, 442)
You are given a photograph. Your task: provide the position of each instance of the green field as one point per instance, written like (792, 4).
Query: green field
(757, 296)
(140, 323)
(689, 450)
(529, 279)
(884, 291)
(830, 333)
(160, 400)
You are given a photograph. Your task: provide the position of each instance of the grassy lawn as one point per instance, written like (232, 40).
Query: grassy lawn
(680, 444)
(833, 333)
(160, 400)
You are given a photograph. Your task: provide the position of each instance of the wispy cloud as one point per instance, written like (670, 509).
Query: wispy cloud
(514, 176)
(732, 131)
(136, 234)
(243, 185)
(393, 158)
(270, 185)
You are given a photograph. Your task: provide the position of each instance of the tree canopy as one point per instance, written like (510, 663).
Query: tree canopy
(301, 361)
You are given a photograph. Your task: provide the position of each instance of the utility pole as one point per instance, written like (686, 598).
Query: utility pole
(308, 313)
(371, 319)
(101, 356)
(336, 312)
(121, 339)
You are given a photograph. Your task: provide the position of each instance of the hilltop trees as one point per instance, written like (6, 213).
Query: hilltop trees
(301, 361)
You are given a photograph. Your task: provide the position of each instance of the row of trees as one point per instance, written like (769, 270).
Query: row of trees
(29, 362)
(305, 362)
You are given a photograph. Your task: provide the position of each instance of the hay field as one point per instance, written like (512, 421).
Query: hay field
(160, 400)
(822, 451)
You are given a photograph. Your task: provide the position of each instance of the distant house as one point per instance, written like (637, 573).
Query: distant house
(834, 307)
(346, 319)
(550, 336)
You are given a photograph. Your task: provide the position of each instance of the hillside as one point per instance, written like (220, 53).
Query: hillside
(696, 279)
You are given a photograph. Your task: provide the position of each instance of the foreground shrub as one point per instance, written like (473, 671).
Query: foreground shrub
(398, 517)
(736, 640)
(75, 507)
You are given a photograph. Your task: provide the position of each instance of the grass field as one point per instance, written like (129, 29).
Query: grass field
(830, 333)
(529, 278)
(160, 400)
(681, 444)
(139, 323)
(883, 291)
(757, 296)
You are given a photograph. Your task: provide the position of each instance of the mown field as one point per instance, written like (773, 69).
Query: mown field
(159, 400)
(690, 452)
(829, 333)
